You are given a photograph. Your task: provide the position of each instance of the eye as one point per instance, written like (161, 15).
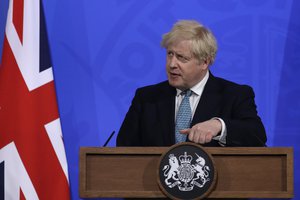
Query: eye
(170, 53)
(182, 58)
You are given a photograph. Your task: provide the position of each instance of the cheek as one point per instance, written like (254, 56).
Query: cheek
(167, 66)
(167, 61)
(187, 70)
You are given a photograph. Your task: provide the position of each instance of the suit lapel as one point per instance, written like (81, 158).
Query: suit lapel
(208, 107)
(209, 104)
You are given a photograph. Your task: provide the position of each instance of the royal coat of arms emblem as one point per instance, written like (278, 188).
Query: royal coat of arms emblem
(185, 175)
(186, 171)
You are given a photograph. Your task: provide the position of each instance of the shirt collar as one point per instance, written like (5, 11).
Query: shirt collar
(198, 88)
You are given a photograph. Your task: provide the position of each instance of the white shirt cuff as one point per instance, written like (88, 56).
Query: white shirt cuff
(222, 137)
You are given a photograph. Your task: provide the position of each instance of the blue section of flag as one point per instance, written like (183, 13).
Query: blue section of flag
(3, 14)
(45, 58)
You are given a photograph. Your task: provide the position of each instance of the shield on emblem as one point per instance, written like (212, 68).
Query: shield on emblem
(186, 171)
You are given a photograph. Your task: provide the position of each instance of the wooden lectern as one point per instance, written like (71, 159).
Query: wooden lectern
(131, 172)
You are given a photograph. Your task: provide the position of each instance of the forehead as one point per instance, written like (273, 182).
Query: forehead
(182, 47)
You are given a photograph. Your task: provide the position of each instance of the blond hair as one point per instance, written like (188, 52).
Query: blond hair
(203, 43)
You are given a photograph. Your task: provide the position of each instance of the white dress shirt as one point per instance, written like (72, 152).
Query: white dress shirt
(197, 91)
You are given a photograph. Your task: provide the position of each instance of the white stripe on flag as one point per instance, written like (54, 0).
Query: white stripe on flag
(55, 134)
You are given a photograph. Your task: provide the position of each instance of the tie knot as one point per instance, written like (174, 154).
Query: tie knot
(187, 93)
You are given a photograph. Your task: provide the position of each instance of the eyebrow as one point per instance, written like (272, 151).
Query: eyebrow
(180, 54)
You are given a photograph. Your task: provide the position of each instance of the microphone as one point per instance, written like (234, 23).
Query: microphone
(107, 141)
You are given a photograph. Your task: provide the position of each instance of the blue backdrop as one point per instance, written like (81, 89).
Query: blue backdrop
(103, 50)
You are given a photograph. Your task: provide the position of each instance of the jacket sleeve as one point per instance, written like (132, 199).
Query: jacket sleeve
(130, 128)
(245, 128)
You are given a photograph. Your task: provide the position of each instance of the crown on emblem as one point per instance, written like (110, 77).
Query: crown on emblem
(185, 159)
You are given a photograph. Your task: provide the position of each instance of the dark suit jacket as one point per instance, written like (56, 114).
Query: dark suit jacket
(150, 119)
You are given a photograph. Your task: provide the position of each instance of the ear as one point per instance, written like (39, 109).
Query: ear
(204, 65)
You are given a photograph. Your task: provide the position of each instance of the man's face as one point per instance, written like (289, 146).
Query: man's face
(183, 70)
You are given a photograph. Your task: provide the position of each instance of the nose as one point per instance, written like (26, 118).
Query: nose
(172, 62)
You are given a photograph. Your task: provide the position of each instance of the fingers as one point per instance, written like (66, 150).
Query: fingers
(198, 134)
(202, 132)
(185, 131)
(200, 137)
(208, 138)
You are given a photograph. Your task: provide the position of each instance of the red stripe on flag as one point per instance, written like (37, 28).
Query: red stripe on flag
(25, 114)
(22, 197)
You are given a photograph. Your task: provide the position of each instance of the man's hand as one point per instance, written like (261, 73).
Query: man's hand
(203, 132)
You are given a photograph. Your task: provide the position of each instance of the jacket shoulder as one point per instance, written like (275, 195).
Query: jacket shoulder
(157, 90)
(230, 86)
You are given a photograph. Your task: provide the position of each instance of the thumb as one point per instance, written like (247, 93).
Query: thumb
(185, 131)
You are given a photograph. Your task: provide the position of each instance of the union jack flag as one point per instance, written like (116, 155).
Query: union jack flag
(32, 157)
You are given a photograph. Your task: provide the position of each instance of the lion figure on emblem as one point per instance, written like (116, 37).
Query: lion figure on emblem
(171, 170)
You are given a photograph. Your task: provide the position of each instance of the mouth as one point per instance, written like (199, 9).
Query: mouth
(174, 74)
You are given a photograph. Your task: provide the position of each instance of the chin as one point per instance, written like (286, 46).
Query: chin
(175, 84)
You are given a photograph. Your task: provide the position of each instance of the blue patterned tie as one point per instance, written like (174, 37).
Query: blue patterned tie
(184, 116)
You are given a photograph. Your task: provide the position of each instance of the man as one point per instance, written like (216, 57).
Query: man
(192, 105)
